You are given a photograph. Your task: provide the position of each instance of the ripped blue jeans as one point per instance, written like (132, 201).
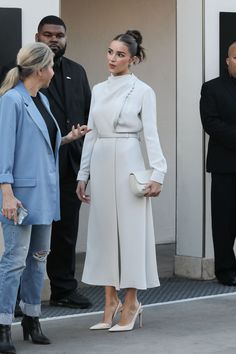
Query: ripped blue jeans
(23, 262)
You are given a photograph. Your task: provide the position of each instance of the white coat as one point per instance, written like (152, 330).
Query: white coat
(121, 241)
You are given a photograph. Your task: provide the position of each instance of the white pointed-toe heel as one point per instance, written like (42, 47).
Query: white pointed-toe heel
(104, 325)
(100, 325)
(130, 326)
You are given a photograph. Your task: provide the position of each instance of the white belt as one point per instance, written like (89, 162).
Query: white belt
(118, 135)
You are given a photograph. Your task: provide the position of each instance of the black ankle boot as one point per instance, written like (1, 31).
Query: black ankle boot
(6, 345)
(31, 327)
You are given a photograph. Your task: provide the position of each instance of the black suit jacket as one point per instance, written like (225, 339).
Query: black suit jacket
(72, 110)
(218, 115)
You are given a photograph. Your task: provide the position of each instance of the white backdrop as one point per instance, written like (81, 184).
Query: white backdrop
(32, 12)
(212, 10)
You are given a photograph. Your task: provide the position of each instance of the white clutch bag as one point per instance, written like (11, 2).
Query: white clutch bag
(138, 181)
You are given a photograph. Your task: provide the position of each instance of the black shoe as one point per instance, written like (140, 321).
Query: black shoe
(18, 312)
(31, 327)
(73, 300)
(227, 278)
(6, 345)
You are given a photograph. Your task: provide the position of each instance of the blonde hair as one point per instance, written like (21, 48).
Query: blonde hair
(30, 58)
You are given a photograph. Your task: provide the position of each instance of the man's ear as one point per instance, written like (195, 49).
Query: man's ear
(36, 37)
(227, 61)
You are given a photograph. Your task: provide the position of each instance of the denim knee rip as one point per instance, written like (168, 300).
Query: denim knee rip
(41, 256)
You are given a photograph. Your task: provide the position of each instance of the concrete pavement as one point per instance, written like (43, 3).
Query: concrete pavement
(203, 326)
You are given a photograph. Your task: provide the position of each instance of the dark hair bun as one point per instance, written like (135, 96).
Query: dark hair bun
(136, 35)
(132, 39)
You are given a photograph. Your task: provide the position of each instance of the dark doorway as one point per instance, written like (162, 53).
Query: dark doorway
(227, 36)
(10, 34)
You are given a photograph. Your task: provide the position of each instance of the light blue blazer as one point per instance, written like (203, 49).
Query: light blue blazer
(27, 160)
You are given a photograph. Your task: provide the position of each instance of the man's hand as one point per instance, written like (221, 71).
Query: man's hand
(75, 134)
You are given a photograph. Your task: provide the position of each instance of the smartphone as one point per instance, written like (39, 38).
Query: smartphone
(21, 214)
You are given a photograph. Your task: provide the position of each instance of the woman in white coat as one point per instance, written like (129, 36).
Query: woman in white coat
(121, 242)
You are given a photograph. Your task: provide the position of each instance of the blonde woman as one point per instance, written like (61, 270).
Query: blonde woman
(29, 144)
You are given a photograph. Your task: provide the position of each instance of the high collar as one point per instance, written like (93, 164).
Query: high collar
(126, 77)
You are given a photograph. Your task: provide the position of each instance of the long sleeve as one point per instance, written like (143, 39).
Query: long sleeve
(8, 126)
(89, 141)
(87, 96)
(153, 147)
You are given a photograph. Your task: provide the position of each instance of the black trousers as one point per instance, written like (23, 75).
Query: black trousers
(223, 208)
(61, 259)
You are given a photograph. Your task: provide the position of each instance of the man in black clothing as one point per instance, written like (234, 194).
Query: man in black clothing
(218, 114)
(69, 98)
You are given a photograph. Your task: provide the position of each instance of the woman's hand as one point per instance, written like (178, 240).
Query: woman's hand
(153, 189)
(10, 203)
(80, 191)
(75, 134)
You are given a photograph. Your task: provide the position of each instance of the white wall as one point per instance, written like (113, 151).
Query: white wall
(189, 130)
(212, 10)
(32, 12)
(91, 27)
(197, 61)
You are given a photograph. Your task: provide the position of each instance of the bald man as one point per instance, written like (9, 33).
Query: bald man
(218, 115)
